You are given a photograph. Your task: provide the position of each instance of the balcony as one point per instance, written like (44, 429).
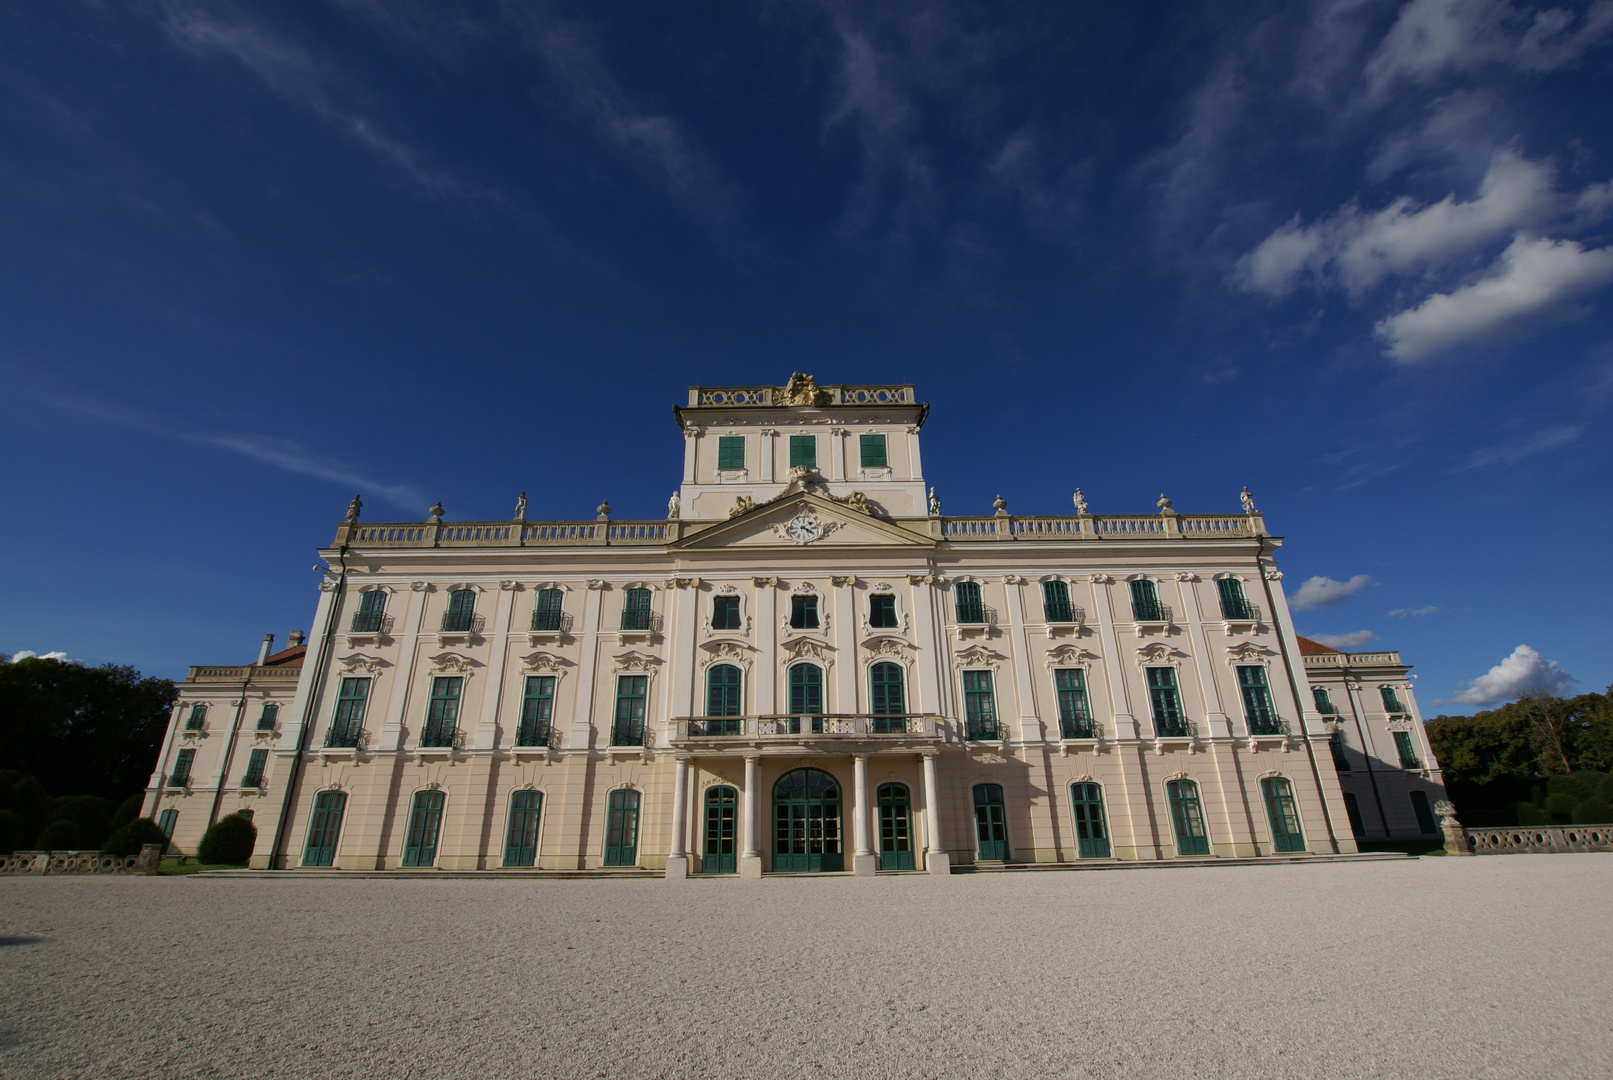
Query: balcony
(344, 736)
(534, 733)
(975, 619)
(1150, 611)
(627, 734)
(252, 780)
(1239, 611)
(1063, 618)
(820, 731)
(178, 780)
(1262, 724)
(462, 625)
(1079, 726)
(440, 736)
(984, 730)
(1327, 708)
(551, 622)
(639, 626)
(1174, 727)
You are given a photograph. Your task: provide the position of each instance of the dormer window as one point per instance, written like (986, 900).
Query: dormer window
(873, 451)
(804, 612)
(804, 451)
(731, 452)
(882, 611)
(725, 613)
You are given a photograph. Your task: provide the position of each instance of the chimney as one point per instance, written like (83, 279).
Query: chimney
(265, 649)
(294, 639)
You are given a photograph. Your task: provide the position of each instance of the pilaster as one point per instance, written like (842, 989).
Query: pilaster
(582, 721)
(766, 645)
(1219, 724)
(1114, 675)
(493, 693)
(403, 675)
(845, 639)
(1030, 725)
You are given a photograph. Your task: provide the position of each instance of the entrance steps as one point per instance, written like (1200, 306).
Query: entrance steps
(1155, 864)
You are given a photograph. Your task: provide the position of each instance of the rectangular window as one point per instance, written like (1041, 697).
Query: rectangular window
(636, 610)
(269, 716)
(1056, 602)
(1075, 721)
(1391, 700)
(351, 697)
(546, 614)
(1408, 753)
(254, 768)
(198, 716)
(1166, 704)
(873, 451)
(1335, 743)
(442, 711)
(966, 594)
(979, 707)
(731, 452)
(461, 613)
(1233, 605)
(631, 691)
(371, 610)
(1324, 704)
(804, 612)
(1257, 707)
(882, 611)
(181, 774)
(1145, 605)
(804, 451)
(166, 822)
(537, 711)
(725, 613)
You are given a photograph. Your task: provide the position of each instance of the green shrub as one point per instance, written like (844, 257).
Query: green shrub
(127, 810)
(10, 831)
(60, 835)
(91, 813)
(130, 838)
(33, 804)
(1530, 815)
(1560, 807)
(230, 841)
(1596, 811)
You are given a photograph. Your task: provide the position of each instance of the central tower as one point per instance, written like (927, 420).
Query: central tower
(747, 444)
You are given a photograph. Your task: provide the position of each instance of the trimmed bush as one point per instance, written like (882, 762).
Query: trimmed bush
(129, 839)
(230, 841)
(10, 831)
(1530, 814)
(60, 835)
(127, 810)
(91, 813)
(1597, 811)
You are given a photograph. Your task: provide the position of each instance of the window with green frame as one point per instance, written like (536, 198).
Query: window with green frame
(1091, 831)
(346, 725)
(725, 613)
(1075, 719)
(1286, 835)
(872, 448)
(537, 711)
(887, 699)
(425, 821)
(632, 691)
(166, 822)
(882, 611)
(1257, 707)
(804, 451)
(268, 717)
(461, 614)
(521, 842)
(636, 609)
(1187, 818)
(1335, 743)
(181, 772)
(1408, 752)
(1145, 605)
(198, 716)
(966, 596)
(371, 612)
(255, 763)
(806, 697)
(730, 451)
(804, 612)
(1324, 704)
(724, 696)
(1166, 703)
(979, 706)
(1056, 602)
(323, 828)
(442, 711)
(1233, 604)
(548, 612)
(1391, 700)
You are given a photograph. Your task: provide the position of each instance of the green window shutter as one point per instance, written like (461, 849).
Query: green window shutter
(1286, 834)
(1230, 589)
(631, 692)
(725, 613)
(804, 451)
(442, 712)
(420, 846)
(991, 823)
(636, 610)
(979, 706)
(886, 697)
(268, 717)
(254, 768)
(1408, 753)
(1075, 720)
(181, 774)
(731, 452)
(547, 613)
(723, 691)
(1324, 704)
(722, 831)
(462, 600)
(1091, 829)
(804, 612)
(882, 611)
(895, 827)
(1391, 700)
(1056, 602)
(1187, 817)
(873, 451)
(1166, 704)
(373, 602)
(537, 711)
(621, 828)
(198, 714)
(352, 695)
(166, 822)
(1257, 707)
(806, 690)
(966, 595)
(1142, 592)
(521, 843)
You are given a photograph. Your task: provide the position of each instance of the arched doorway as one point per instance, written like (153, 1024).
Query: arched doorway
(806, 822)
(722, 809)
(895, 828)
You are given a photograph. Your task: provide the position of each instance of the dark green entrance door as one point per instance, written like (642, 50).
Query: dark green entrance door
(1286, 834)
(425, 820)
(621, 829)
(895, 828)
(991, 824)
(521, 845)
(806, 822)
(722, 807)
(1091, 831)
(1188, 818)
(323, 829)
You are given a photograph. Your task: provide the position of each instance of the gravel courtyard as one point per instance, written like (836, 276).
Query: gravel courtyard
(1487, 967)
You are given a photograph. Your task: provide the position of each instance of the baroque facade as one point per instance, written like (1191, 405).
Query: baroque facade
(805, 667)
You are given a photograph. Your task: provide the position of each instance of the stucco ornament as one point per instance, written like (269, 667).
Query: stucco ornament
(805, 527)
(800, 390)
(744, 504)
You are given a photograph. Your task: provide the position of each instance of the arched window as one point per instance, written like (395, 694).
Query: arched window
(461, 611)
(1187, 818)
(806, 822)
(895, 827)
(887, 700)
(966, 595)
(723, 699)
(1056, 602)
(547, 613)
(1145, 605)
(621, 828)
(722, 808)
(1286, 834)
(425, 821)
(991, 824)
(521, 845)
(1091, 828)
(269, 716)
(371, 612)
(806, 697)
(323, 828)
(636, 610)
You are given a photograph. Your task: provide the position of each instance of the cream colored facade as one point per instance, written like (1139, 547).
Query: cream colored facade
(933, 728)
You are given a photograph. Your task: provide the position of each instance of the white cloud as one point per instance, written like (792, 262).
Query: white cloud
(1415, 613)
(1319, 592)
(29, 654)
(1532, 283)
(1344, 641)
(1356, 249)
(1525, 670)
(1434, 37)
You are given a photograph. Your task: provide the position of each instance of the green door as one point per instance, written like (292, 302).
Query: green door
(722, 810)
(424, 823)
(895, 828)
(806, 823)
(1188, 818)
(521, 845)
(621, 829)
(991, 824)
(1091, 832)
(323, 828)
(1284, 816)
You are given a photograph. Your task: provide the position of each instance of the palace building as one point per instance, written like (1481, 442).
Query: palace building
(805, 667)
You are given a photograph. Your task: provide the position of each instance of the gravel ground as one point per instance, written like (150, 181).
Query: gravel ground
(1487, 967)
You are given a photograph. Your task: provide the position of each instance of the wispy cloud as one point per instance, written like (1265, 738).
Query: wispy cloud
(1437, 37)
(1413, 613)
(1520, 673)
(1344, 641)
(1320, 592)
(1516, 450)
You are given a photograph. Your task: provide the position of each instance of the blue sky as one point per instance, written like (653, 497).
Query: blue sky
(1356, 255)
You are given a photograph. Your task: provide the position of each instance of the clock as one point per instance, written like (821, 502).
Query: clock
(803, 528)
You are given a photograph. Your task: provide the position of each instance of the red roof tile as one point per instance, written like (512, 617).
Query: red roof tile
(1307, 647)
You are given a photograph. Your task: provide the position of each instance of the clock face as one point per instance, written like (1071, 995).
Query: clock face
(803, 528)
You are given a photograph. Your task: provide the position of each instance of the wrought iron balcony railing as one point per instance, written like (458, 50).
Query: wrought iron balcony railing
(342, 736)
(642, 620)
(1064, 613)
(1150, 611)
(1079, 726)
(370, 622)
(984, 730)
(973, 614)
(1267, 724)
(439, 736)
(1410, 760)
(627, 734)
(253, 779)
(461, 622)
(1174, 727)
(178, 779)
(1239, 611)
(556, 621)
(533, 733)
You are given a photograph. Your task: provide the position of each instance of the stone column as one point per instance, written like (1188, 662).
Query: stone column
(750, 857)
(862, 856)
(936, 860)
(677, 860)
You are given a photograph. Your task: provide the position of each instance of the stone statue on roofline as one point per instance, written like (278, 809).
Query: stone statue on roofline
(520, 508)
(935, 504)
(744, 504)
(800, 390)
(1080, 502)
(1248, 501)
(673, 507)
(352, 510)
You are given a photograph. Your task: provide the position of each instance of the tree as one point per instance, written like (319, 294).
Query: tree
(1548, 714)
(229, 840)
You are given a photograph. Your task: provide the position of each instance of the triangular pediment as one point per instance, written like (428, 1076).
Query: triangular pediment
(807, 521)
